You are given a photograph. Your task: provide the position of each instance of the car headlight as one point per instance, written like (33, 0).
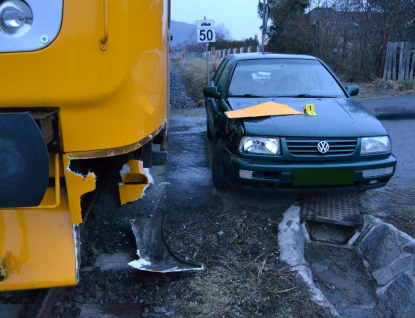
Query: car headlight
(373, 145)
(16, 17)
(260, 145)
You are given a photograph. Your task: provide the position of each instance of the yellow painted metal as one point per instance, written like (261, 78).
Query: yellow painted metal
(135, 180)
(114, 151)
(309, 110)
(77, 185)
(107, 99)
(38, 246)
(112, 93)
(264, 109)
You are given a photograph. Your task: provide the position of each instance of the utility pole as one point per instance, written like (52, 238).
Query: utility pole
(264, 22)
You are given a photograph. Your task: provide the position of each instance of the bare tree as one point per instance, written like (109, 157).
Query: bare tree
(223, 33)
(347, 34)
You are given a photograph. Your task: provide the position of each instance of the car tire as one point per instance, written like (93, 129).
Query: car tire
(218, 175)
(208, 132)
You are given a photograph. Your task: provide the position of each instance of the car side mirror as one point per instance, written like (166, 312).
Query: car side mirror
(353, 90)
(210, 91)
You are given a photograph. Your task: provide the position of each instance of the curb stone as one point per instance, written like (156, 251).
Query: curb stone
(291, 241)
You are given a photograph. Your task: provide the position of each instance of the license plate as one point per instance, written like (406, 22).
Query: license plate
(318, 177)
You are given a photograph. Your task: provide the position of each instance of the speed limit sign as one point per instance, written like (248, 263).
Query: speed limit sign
(205, 31)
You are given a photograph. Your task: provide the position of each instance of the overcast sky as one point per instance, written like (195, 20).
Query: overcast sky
(239, 16)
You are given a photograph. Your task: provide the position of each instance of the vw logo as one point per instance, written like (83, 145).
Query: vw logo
(323, 146)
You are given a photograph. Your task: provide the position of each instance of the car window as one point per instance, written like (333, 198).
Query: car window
(284, 78)
(223, 77)
(220, 68)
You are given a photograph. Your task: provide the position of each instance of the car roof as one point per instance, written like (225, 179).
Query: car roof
(260, 56)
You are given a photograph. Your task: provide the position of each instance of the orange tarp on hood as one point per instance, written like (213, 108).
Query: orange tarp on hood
(261, 110)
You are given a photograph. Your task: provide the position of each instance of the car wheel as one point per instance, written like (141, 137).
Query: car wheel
(208, 132)
(218, 175)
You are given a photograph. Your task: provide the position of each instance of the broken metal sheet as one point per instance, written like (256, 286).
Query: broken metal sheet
(135, 180)
(77, 185)
(262, 110)
(155, 255)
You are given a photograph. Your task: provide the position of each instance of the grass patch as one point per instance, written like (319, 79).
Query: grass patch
(406, 85)
(194, 75)
(244, 276)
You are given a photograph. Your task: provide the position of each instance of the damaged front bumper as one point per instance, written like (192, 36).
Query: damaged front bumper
(306, 176)
(39, 245)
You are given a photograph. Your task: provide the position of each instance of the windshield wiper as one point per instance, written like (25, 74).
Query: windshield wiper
(311, 96)
(246, 95)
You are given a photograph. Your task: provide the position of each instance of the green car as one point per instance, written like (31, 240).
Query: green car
(307, 134)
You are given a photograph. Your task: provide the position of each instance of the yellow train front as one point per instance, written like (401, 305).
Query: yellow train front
(80, 81)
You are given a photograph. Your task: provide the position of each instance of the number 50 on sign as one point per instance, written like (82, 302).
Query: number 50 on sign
(206, 31)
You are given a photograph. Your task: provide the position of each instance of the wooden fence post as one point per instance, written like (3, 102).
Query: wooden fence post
(408, 47)
(411, 74)
(401, 69)
(388, 62)
(394, 57)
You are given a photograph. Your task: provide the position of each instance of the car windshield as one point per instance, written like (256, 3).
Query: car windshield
(299, 78)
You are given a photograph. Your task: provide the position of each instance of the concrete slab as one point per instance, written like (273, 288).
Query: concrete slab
(111, 311)
(339, 273)
(116, 261)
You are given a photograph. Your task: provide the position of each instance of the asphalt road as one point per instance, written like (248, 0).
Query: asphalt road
(187, 180)
(397, 199)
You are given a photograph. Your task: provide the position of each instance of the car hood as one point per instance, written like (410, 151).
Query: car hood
(336, 117)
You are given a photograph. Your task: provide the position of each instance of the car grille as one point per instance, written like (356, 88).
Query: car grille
(308, 146)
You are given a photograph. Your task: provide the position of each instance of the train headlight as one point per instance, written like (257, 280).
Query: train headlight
(16, 17)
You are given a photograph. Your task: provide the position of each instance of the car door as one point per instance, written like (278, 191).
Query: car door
(213, 108)
(210, 112)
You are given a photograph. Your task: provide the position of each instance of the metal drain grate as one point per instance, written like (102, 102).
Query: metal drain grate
(335, 208)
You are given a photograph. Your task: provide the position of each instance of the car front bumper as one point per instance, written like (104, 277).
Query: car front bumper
(307, 176)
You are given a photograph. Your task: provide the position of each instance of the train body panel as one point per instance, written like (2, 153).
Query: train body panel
(99, 94)
(121, 88)
(38, 247)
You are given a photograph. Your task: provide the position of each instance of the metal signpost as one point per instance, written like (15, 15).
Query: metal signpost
(205, 34)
